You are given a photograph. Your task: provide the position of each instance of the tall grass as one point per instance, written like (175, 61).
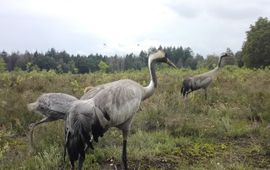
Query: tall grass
(226, 131)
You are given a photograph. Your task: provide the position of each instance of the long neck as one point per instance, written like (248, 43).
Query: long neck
(216, 69)
(149, 90)
(219, 61)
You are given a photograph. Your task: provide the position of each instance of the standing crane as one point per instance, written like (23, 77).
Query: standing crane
(53, 106)
(109, 105)
(201, 81)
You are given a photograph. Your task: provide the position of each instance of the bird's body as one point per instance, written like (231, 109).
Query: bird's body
(204, 80)
(119, 99)
(53, 106)
(201, 81)
(109, 105)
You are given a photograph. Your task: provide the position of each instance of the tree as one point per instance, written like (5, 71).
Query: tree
(256, 49)
(3, 65)
(23, 60)
(228, 60)
(103, 66)
(62, 62)
(82, 65)
(198, 60)
(210, 62)
(11, 61)
(239, 58)
(30, 67)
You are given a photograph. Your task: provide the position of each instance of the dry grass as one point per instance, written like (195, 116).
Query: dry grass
(226, 131)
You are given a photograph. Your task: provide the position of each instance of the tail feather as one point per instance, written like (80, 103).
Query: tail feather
(77, 138)
(75, 146)
(186, 86)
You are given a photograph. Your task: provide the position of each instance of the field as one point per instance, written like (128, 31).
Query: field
(226, 131)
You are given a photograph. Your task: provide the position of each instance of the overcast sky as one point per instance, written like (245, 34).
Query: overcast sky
(124, 26)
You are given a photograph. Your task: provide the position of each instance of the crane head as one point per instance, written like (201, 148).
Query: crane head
(161, 56)
(38, 106)
(225, 55)
(169, 62)
(54, 105)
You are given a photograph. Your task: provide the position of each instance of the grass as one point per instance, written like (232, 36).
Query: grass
(226, 131)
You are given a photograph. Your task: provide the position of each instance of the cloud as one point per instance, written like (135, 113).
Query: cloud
(84, 26)
(185, 9)
(238, 10)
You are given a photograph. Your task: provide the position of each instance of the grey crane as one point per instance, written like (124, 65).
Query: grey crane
(53, 106)
(109, 105)
(201, 81)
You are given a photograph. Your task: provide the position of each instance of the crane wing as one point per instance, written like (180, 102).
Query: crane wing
(202, 81)
(91, 93)
(60, 102)
(118, 101)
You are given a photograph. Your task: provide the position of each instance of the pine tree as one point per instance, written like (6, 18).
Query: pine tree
(256, 49)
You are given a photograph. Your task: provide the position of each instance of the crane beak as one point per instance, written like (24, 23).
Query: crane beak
(170, 63)
(32, 106)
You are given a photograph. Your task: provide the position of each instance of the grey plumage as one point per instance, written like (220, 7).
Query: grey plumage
(53, 106)
(109, 105)
(201, 81)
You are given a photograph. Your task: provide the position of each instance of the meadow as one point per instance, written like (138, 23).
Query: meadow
(226, 131)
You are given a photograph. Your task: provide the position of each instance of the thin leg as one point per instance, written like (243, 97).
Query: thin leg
(124, 154)
(65, 148)
(33, 125)
(72, 165)
(124, 151)
(188, 92)
(67, 133)
(185, 95)
(64, 157)
(81, 160)
(88, 144)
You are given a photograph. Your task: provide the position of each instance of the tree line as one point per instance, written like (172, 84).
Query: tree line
(62, 62)
(255, 53)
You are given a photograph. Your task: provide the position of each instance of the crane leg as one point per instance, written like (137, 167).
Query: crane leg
(124, 151)
(72, 165)
(65, 148)
(64, 157)
(33, 125)
(81, 160)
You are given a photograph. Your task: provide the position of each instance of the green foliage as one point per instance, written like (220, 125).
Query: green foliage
(63, 62)
(4, 143)
(239, 59)
(3, 65)
(226, 131)
(103, 67)
(210, 62)
(229, 60)
(257, 47)
(31, 67)
(47, 159)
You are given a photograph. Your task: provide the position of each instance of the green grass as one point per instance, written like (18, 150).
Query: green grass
(226, 131)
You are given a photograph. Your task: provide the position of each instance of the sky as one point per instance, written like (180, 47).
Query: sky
(110, 27)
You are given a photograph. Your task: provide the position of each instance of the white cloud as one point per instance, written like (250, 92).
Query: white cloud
(127, 26)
